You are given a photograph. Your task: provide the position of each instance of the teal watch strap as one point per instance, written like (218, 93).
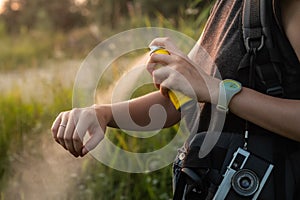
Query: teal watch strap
(227, 89)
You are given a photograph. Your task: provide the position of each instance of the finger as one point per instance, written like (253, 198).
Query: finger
(61, 130)
(161, 41)
(55, 126)
(83, 123)
(163, 59)
(86, 121)
(77, 140)
(93, 141)
(155, 61)
(167, 84)
(164, 91)
(160, 75)
(68, 138)
(166, 43)
(150, 67)
(77, 143)
(168, 79)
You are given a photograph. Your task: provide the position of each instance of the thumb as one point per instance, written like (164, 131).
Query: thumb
(93, 141)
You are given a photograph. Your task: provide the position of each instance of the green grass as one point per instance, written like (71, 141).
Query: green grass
(101, 182)
(32, 48)
(98, 181)
(17, 119)
(21, 120)
(23, 51)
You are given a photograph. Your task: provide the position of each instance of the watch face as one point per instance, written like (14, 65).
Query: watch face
(231, 85)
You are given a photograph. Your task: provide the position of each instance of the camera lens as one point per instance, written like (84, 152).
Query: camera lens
(245, 182)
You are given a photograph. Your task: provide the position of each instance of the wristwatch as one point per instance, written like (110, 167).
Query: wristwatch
(227, 89)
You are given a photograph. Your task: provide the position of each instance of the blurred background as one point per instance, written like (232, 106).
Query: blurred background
(42, 44)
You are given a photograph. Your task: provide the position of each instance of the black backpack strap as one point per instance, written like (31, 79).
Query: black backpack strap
(188, 181)
(180, 187)
(257, 38)
(264, 63)
(252, 28)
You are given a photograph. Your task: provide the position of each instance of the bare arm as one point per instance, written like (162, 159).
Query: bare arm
(278, 115)
(149, 112)
(274, 114)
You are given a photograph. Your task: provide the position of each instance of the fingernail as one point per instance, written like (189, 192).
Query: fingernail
(84, 151)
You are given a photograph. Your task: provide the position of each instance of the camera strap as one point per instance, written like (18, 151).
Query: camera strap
(258, 41)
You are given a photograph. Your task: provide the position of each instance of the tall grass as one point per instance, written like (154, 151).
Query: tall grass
(101, 182)
(98, 181)
(17, 119)
(23, 50)
(22, 120)
(32, 48)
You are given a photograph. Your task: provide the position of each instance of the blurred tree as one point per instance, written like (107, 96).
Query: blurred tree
(62, 15)
(67, 14)
(114, 11)
(107, 12)
(11, 15)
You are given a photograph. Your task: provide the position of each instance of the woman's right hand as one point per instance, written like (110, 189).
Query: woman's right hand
(181, 74)
(70, 127)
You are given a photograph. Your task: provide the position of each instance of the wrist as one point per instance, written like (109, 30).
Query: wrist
(213, 91)
(104, 114)
(228, 88)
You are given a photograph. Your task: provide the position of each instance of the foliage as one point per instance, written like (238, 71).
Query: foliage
(33, 48)
(21, 120)
(66, 15)
(102, 182)
(40, 30)
(23, 51)
(61, 101)
(55, 14)
(17, 119)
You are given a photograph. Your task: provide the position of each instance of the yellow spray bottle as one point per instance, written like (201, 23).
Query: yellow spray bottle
(179, 100)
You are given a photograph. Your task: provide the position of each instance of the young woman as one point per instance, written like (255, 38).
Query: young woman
(270, 119)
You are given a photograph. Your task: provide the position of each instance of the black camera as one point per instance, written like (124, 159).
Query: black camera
(245, 177)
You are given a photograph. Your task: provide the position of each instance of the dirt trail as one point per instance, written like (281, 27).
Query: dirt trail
(47, 172)
(44, 170)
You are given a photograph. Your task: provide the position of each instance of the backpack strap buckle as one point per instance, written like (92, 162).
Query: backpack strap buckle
(254, 44)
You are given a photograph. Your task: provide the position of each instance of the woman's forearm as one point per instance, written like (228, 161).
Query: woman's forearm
(275, 114)
(149, 112)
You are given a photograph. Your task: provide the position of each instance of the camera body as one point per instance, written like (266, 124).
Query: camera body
(244, 178)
